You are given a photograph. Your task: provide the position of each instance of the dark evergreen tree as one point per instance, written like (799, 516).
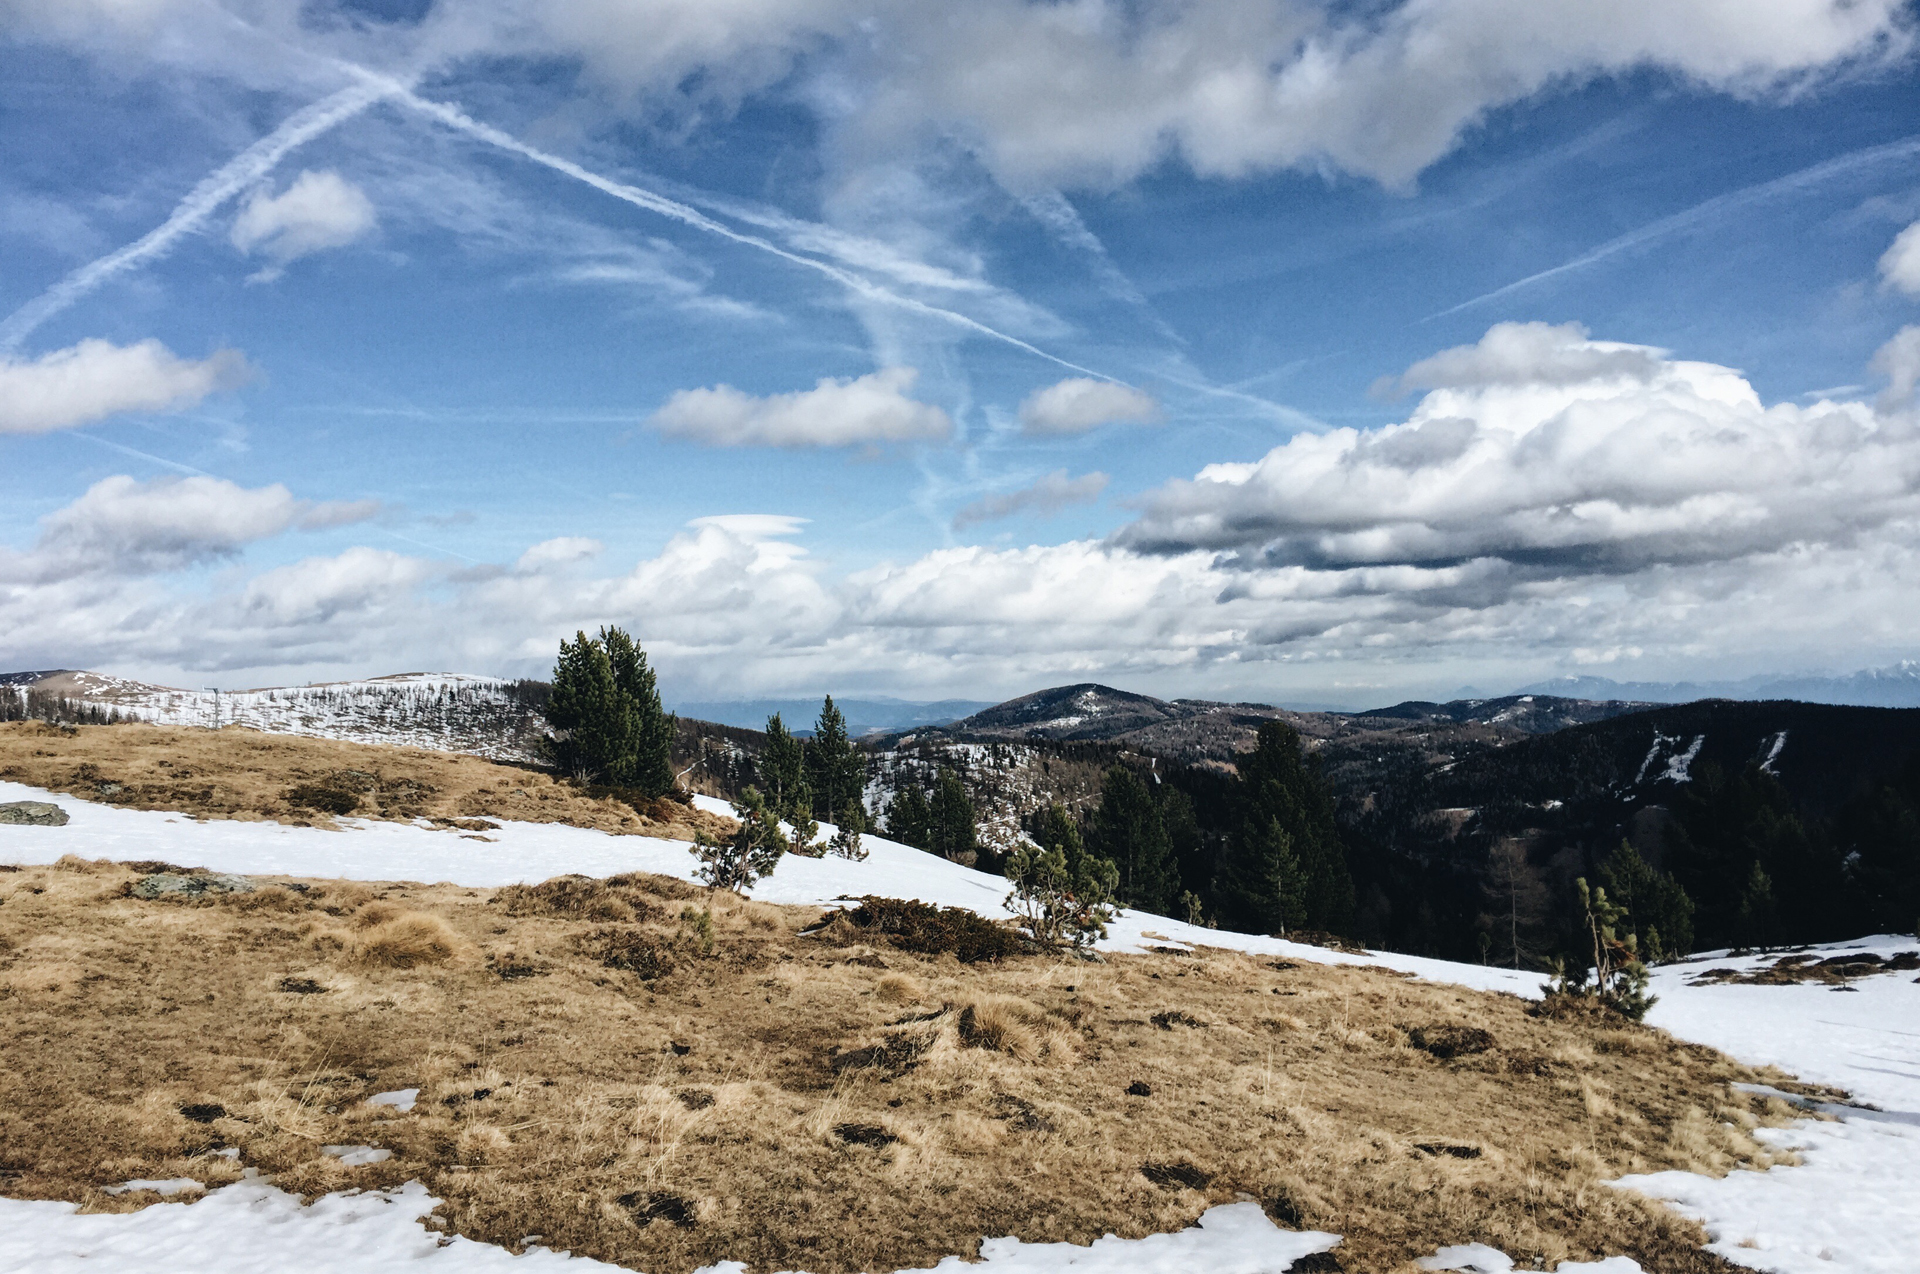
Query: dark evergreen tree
(1061, 891)
(1657, 910)
(951, 830)
(595, 723)
(1880, 829)
(648, 763)
(836, 769)
(910, 818)
(1286, 867)
(782, 768)
(1732, 825)
(1128, 831)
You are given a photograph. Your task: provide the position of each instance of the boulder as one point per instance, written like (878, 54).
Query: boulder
(169, 884)
(33, 814)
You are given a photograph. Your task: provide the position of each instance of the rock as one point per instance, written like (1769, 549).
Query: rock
(167, 884)
(33, 814)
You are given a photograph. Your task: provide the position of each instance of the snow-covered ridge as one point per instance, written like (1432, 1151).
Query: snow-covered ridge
(446, 711)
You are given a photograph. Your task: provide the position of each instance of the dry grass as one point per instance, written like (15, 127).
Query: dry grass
(238, 773)
(601, 1066)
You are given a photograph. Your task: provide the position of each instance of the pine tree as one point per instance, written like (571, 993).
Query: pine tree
(1286, 867)
(1062, 892)
(782, 768)
(1658, 909)
(596, 723)
(910, 818)
(1128, 830)
(648, 763)
(750, 853)
(836, 769)
(951, 830)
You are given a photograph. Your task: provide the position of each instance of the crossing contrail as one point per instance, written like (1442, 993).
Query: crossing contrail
(687, 215)
(238, 173)
(1685, 219)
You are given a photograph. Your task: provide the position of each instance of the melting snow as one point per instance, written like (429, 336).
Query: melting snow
(1676, 771)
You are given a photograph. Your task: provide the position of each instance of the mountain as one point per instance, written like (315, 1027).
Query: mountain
(878, 715)
(1895, 686)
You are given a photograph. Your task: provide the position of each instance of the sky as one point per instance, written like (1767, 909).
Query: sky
(1324, 352)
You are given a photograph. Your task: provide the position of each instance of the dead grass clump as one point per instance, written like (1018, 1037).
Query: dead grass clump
(928, 930)
(574, 898)
(1450, 1040)
(898, 988)
(630, 950)
(407, 940)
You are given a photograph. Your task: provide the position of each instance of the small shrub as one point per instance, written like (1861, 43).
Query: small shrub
(1176, 1176)
(648, 1206)
(864, 1134)
(571, 898)
(928, 930)
(1449, 1041)
(323, 799)
(409, 939)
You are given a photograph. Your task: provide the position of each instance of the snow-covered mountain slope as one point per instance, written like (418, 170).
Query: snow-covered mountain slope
(447, 711)
(1848, 1207)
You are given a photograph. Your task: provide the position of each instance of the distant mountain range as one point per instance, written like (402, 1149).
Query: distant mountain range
(1895, 686)
(864, 716)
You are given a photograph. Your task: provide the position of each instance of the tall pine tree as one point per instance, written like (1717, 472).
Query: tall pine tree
(783, 775)
(910, 818)
(1286, 867)
(1128, 830)
(836, 769)
(647, 761)
(595, 723)
(951, 831)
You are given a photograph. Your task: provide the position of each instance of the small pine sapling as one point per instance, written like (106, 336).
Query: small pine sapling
(747, 855)
(802, 830)
(1619, 975)
(1061, 892)
(846, 837)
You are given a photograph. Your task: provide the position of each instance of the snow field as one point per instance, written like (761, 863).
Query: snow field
(1850, 1206)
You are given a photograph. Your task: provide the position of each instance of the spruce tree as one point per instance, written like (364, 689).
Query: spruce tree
(596, 723)
(782, 768)
(910, 817)
(836, 769)
(1128, 831)
(648, 762)
(951, 831)
(1286, 867)
(1658, 909)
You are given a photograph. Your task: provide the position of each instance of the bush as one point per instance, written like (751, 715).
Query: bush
(928, 930)
(325, 799)
(747, 855)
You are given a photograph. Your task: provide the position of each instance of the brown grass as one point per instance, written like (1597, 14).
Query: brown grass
(595, 1070)
(238, 773)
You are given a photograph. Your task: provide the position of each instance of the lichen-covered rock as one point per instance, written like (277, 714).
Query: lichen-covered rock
(168, 884)
(33, 814)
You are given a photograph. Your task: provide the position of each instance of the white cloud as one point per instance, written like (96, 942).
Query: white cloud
(834, 413)
(320, 210)
(1900, 264)
(1100, 90)
(122, 527)
(1549, 451)
(95, 379)
(1045, 497)
(1080, 403)
(561, 551)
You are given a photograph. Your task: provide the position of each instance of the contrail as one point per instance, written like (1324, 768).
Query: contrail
(647, 199)
(1679, 221)
(249, 166)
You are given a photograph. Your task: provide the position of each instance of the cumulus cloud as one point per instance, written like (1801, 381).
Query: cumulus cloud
(1900, 264)
(1046, 497)
(1101, 91)
(123, 527)
(320, 210)
(834, 413)
(1545, 449)
(1080, 403)
(95, 379)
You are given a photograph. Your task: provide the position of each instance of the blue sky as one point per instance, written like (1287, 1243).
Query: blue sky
(856, 347)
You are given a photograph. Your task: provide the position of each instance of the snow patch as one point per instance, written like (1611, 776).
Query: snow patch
(357, 1156)
(401, 1099)
(172, 1185)
(1676, 771)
